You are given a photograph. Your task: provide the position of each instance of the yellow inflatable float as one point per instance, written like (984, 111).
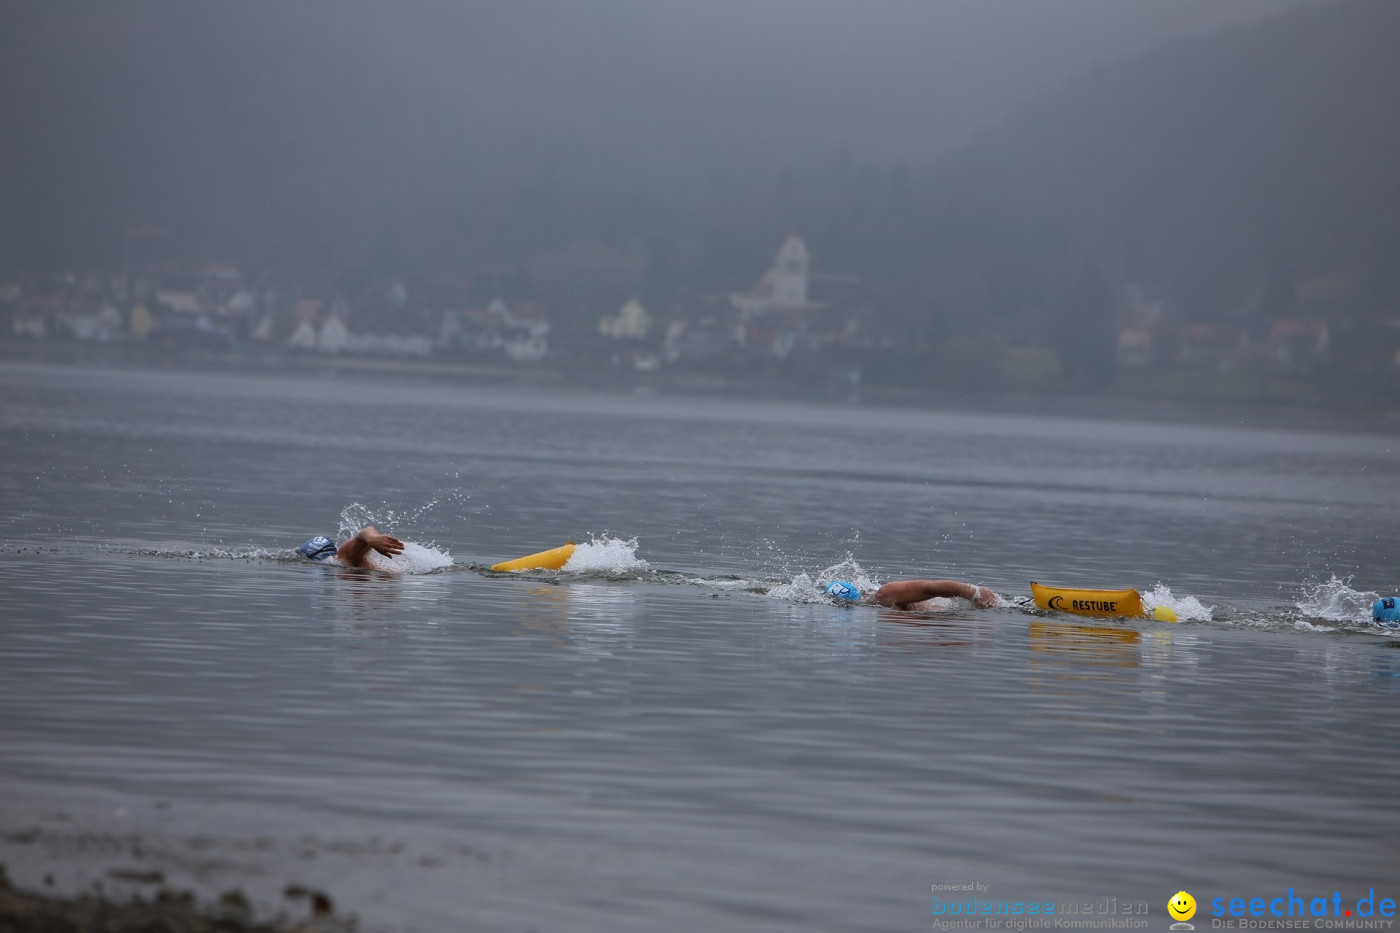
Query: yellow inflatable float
(552, 559)
(1096, 602)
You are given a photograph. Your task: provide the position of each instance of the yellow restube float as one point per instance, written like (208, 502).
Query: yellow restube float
(552, 559)
(1088, 602)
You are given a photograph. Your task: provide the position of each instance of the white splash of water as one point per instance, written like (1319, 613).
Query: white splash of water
(727, 583)
(1303, 625)
(1187, 608)
(802, 589)
(357, 515)
(805, 589)
(415, 559)
(605, 555)
(1336, 601)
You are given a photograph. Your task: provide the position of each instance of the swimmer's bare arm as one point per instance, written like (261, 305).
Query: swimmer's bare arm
(902, 594)
(355, 552)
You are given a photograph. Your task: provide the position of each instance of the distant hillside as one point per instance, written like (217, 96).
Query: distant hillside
(1252, 172)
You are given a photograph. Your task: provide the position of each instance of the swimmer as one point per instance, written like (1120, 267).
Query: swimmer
(903, 594)
(355, 551)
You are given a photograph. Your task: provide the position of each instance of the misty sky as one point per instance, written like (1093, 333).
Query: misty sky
(308, 119)
(890, 77)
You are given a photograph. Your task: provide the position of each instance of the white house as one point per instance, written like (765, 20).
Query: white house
(784, 287)
(333, 337)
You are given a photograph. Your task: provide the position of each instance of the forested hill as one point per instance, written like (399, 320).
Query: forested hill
(1253, 172)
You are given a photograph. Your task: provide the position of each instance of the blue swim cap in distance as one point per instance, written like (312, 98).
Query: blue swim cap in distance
(840, 589)
(318, 548)
(1386, 611)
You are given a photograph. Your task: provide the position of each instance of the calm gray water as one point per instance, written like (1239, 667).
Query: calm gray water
(681, 734)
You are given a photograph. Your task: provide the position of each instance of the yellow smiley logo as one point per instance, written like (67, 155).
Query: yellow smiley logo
(1182, 906)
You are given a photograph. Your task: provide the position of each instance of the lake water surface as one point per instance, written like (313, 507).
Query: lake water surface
(678, 731)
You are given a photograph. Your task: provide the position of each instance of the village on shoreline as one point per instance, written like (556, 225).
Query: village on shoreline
(797, 329)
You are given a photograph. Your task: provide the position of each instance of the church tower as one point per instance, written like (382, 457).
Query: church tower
(790, 274)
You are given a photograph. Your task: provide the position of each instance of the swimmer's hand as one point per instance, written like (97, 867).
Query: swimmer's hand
(387, 545)
(355, 552)
(985, 598)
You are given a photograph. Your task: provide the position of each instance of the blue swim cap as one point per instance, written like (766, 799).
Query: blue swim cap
(1387, 612)
(840, 589)
(318, 548)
